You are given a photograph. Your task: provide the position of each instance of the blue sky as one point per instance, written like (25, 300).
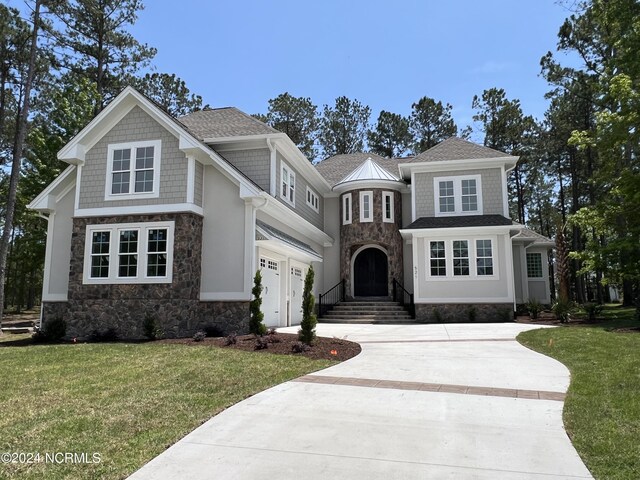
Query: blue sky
(387, 54)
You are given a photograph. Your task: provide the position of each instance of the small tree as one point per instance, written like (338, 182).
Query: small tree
(255, 325)
(307, 331)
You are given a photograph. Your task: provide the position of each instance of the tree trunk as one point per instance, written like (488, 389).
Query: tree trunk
(627, 293)
(17, 156)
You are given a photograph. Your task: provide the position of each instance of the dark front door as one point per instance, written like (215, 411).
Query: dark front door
(370, 274)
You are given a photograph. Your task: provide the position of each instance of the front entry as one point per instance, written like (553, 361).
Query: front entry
(370, 272)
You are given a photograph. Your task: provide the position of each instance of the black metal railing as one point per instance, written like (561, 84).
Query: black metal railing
(402, 296)
(327, 300)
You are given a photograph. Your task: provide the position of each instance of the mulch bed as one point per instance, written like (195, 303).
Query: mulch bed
(281, 344)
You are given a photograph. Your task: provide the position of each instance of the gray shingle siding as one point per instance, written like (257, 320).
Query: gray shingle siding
(491, 190)
(197, 191)
(135, 126)
(255, 164)
(301, 208)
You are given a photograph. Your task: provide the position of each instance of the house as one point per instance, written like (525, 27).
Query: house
(170, 218)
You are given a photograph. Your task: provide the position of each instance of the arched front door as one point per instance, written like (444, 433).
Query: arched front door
(370, 274)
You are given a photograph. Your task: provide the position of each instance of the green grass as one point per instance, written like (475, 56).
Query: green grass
(602, 409)
(127, 402)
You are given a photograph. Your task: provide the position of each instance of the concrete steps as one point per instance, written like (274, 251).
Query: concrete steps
(363, 312)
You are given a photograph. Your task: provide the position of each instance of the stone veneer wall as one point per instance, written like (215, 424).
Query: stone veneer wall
(387, 235)
(461, 312)
(175, 306)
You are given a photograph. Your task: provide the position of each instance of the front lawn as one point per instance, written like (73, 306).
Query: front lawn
(602, 409)
(124, 402)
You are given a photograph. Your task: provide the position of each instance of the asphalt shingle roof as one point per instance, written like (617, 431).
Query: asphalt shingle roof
(224, 122)
(460, 221)
(454, 148)
(268, 232)
(336, 168)
(528, 234)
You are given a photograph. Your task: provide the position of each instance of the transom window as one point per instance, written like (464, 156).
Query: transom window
(366, 207)
(288, 181)
(387, 206)
(312, 200)
(346, 209)
(133, 170)
(143, 253)
(451, 259)
(534, 265)
(457, 195)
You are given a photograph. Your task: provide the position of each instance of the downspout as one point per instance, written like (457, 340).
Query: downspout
(272, 168)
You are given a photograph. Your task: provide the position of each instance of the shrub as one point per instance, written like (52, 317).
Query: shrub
(150, 328)
(108, 335)
(274, 338)
(307, 331)
(437, 315)
(272, 331)
(472, 314)
(534, 307)
(213, 331)
(53, 330)
(261, 343)
(505, 315)
(199, 336)
(592, 310)
(300, 347)
(255, 324)
(562, 309)
(231, 339)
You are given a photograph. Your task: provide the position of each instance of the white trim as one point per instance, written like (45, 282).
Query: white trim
(523, 273)
(368, 218)
(511, 285)
(273, 187)
(249, 245)
(226, 296)
(47, 256)
(191, 179)
(397, 185)
(413, 196)
(142, 253)
(288, 183)
(76, 201)
(139, 210)
(473, 267)
(390, 196)
(457, 195)
(55, 297)
(310, 197)
(465, 300)
(505, 193)
(347, 211)
(352, 262)
(132, 147)
(456, 165)
(42, 196)
(526, 265)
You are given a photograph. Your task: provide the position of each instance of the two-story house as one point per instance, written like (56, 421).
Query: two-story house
(171, 218)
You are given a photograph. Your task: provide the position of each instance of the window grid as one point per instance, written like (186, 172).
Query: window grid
(121, 174)
(387, 200)
(366, 207)
(100, 245)
(128, 253)
(460, 257)
(346, 209)
(312, 200)
(288, 191)
(534, 265)
(469, 195)
(484, 258)
(447, 197)
(157, 252)
(438, 259)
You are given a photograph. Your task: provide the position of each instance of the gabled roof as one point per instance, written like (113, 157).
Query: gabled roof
(224, 122)
(369, 170)
(526, 234)
(460, 221)
(454, 148)
(335, 169)
(265, 231)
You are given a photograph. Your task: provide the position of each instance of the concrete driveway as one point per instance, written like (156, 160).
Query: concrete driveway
(455, 401)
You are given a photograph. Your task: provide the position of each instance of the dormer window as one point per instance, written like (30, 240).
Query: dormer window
(133, 170)
(457, 195)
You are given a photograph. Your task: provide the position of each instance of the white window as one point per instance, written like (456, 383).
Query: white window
(534, 265)
(387, 207)
(461, 258)
(366, 207)
(133, 170)
(437, 259)
(288, 187)
(457, 259)
(346, 209)
(129, 253)
(312, 200)
(458, 195)
(484, 258)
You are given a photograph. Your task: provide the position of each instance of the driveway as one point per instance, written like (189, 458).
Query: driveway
(454, 401)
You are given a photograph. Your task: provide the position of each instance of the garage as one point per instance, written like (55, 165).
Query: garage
(297, 288)
(270, 270)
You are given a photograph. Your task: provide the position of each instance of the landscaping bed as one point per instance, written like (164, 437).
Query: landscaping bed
(281, 344)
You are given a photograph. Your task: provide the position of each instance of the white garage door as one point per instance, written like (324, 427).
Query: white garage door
(270, 291)
(297, 287)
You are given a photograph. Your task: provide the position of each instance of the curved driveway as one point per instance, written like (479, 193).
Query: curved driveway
(454, 401)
